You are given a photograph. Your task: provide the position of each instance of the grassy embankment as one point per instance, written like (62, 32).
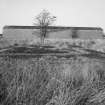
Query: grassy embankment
(47, 80)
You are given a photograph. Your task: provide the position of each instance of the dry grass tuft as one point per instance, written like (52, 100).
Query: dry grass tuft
(52, 81)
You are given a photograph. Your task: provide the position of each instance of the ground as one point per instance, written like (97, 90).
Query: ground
(46, 75)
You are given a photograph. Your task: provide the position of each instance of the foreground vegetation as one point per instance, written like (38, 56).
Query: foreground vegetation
(52, 81)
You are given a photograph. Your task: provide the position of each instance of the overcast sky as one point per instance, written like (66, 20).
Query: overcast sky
(85, 13)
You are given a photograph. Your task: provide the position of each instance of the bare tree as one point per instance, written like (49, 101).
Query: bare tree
(43, 20)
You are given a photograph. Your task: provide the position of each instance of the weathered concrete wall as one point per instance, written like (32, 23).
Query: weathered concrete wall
(81, 34)
(17, 35)
(30, 33)
(90, 34)
(61, 34)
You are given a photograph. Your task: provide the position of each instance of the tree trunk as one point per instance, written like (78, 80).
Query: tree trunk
(42, 40)
(43, 31)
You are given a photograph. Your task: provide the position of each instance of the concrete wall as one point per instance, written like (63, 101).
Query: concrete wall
(19, 34)
(81, 34)
(90, 34)
(30, 34)
(60, 34)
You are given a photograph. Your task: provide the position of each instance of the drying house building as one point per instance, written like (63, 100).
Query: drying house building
(29, 33)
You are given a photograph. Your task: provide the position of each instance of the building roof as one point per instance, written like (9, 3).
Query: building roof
(52, 27)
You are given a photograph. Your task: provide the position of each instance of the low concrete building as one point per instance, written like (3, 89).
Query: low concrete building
(30, 33)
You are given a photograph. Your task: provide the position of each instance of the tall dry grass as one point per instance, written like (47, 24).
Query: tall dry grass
(50, 80)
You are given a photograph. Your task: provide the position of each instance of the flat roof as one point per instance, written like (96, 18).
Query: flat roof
(52, 27)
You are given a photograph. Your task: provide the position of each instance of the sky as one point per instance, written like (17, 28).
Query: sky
(76, 13)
